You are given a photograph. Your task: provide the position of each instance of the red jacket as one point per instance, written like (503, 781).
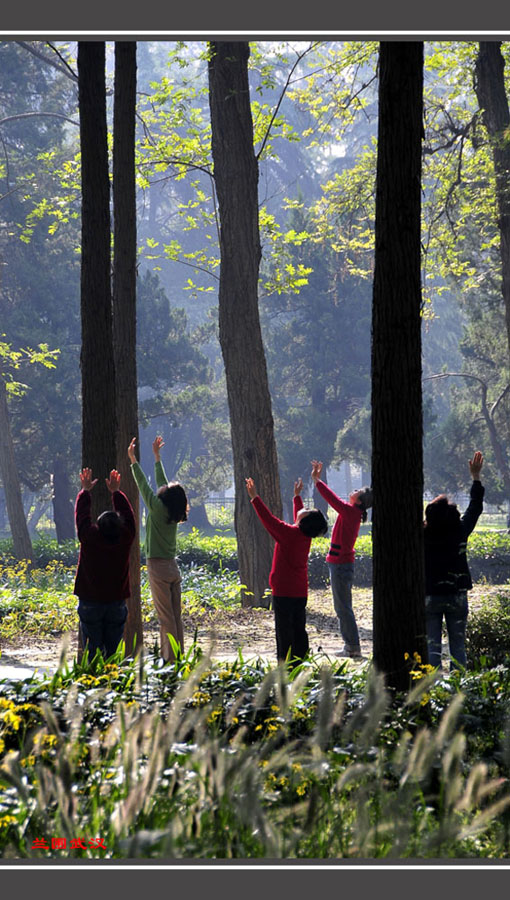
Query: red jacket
(346, 527)
(102, 575)
(289, 572)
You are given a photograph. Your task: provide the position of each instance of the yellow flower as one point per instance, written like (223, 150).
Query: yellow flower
(28, 760)
(7, 820)
(200, 698)
(11, 719)
(6, 704)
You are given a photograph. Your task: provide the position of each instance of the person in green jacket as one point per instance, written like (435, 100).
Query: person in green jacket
(165, 509)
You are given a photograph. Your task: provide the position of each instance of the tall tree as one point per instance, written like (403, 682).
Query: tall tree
(491, 94)
(124, 304)
(99, 413)
(22, 544)
(236, 180)
(397, 470)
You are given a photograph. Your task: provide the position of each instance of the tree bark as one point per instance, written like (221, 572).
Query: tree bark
(22, 545)
(251, 419)
(97, 360)
(397, 465)
(491, 94)
(63, 508)
(124, 306)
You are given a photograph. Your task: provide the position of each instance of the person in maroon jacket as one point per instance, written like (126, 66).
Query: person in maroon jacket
(102, 576)
(288, 578)
(340, 557)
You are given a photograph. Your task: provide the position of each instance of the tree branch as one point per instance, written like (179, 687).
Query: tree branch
(299, 57)
(64, 69)
(30, 115)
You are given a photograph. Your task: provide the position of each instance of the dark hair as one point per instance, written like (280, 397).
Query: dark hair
(110, 526)
(314, 523)
(174, 497)
(441, 516)
(365, 501)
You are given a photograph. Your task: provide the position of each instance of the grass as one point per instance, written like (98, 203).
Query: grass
(236, 761)
(240, 760)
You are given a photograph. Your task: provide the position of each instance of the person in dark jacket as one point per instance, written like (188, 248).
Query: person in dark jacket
(102, 577)
(447, 576)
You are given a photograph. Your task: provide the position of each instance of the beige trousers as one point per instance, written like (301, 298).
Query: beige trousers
(165, 584)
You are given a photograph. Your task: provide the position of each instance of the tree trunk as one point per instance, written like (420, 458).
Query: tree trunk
(22, 545)
(40, 509)
(124, 306)
(97, 361)
(63, 508)
(251, 419)
(397, 469)
(490, 91)
(198, 518)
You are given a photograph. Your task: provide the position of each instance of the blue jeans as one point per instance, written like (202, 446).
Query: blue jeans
(342, 576)
(102, 626)
(454, 608)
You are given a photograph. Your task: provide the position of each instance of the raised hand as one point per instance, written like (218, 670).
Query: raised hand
(86, 479)
(298, 487)
(250, 487)
(475, 464)
(316, 470)
(157, 444)
(113, 482)
(131, 451)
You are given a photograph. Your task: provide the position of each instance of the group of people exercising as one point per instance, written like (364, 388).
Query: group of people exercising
(102, 578)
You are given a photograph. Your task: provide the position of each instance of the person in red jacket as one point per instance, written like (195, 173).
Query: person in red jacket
(340, 557)
(102, 576)
(288, 578)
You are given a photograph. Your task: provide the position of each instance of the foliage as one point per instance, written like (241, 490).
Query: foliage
(488, 633)
(154, 759)
(40, 602)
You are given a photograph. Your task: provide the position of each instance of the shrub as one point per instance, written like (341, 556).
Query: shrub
(488, 633)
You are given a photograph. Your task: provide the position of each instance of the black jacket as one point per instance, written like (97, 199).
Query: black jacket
(446, 568)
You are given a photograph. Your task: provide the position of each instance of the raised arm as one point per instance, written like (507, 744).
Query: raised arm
(298, 500)
(330, 497)
(159, 472)
(475, 508)
(148, 495)
(83, 506)
(271, 523)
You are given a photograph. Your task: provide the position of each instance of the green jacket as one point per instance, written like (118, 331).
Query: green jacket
(160, 534)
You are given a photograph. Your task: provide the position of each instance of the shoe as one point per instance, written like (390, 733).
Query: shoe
(352, 654)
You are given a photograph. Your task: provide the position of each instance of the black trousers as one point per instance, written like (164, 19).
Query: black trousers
(290, 627)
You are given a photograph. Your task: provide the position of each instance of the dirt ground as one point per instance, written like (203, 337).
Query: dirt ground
(222, 634)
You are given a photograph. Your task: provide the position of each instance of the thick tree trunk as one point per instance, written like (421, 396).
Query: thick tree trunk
(63, 507)
(22, 545)
(124, 305)
(97, 362)
(251, 419)
(397, 470)
(491, 94)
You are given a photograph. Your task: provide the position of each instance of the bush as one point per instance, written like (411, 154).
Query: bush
(488, 633)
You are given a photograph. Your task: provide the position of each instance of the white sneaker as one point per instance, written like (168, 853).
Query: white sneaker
(352, 654)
